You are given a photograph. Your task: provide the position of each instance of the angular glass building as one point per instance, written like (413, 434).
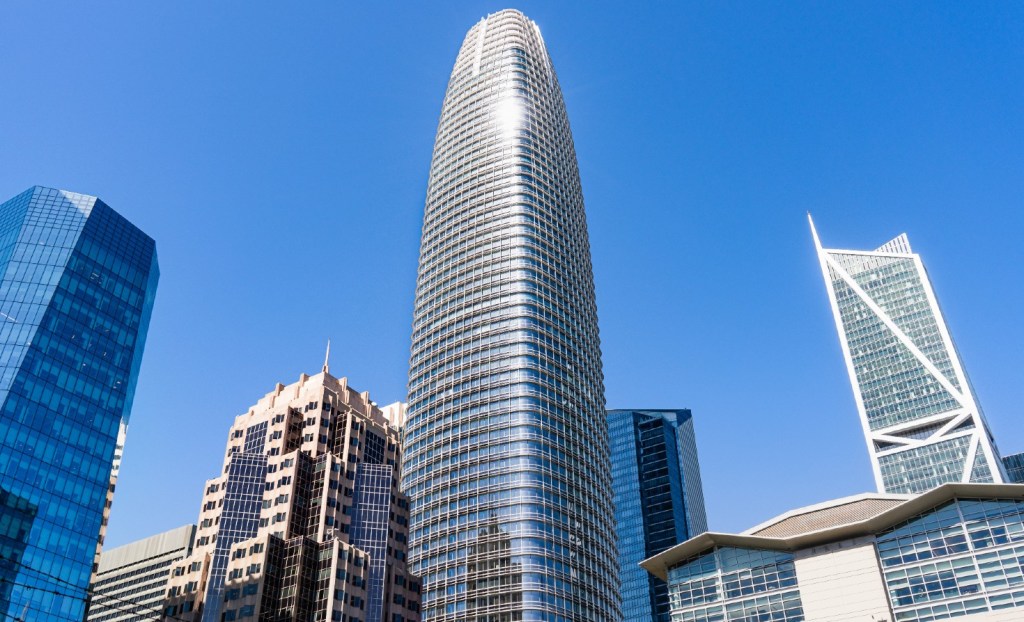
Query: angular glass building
(1014, 465)
(507, 463)
(921, 419)
(659, 500)
(77, 289)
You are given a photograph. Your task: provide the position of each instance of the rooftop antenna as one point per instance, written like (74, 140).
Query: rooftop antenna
(327, 357)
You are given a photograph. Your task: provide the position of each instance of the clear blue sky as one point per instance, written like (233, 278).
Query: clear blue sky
(278, 153)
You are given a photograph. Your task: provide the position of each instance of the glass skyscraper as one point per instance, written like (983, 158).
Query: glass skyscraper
(77, 289)
(659, 500)
(1014, 465)
(921, 419)
(507, 460)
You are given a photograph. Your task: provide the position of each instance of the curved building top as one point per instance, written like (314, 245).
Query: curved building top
(507, 462)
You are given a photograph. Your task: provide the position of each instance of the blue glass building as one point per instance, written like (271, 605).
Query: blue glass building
(954, 552)
(371, 504)
(76, 293)
(1014, 466)
(659, 501)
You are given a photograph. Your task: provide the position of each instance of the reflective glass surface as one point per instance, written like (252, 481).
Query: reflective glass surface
(924, 424)
(370, 528)
(895, 386)
(659, 501)
(735, 585)
(1014, 466)
(506, 444)
(78, 282)
(925, 467)
(966, 556)
(239, 520)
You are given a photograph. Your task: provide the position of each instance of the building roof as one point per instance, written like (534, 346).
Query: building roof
(828, 522)
(827, 515)
(176, 539)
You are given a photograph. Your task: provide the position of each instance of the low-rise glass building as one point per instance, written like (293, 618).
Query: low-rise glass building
(954, 552)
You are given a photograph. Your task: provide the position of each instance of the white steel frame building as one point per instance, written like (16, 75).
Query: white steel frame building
(921, 418)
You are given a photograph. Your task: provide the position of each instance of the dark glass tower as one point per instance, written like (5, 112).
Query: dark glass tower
(77, 289)
(506, 444)
(1014, 465)
(659, 501)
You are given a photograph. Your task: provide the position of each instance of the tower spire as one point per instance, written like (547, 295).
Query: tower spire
(814, 232)
(327, 358)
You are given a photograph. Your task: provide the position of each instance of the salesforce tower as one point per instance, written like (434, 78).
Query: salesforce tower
(507, 463)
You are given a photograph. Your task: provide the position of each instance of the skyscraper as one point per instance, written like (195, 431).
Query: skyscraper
(77, 289)
(507, 461)
(305, 521)
(1014, 465)
(659, 500)
(921, 419)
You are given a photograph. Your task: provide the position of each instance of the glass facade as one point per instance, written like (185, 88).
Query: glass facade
(923, 423)
(966, 556)
(735, 585)
(1014, 466)
(659, 501)
(507, 458)
(77, 289)
(239, 521)
(370, 527)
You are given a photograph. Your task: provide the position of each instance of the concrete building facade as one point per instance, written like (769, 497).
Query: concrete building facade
(131, 580)
(306, 521)
(956, 551)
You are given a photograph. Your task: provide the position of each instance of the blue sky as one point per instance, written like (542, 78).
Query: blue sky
(278, 153)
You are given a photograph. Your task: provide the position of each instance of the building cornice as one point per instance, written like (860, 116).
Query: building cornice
(658, 565)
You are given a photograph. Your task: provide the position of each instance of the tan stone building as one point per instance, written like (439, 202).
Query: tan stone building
(131, 580)
(956, 552)
(306, 521)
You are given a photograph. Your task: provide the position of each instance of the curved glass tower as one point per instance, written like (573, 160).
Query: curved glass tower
(507, 461)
